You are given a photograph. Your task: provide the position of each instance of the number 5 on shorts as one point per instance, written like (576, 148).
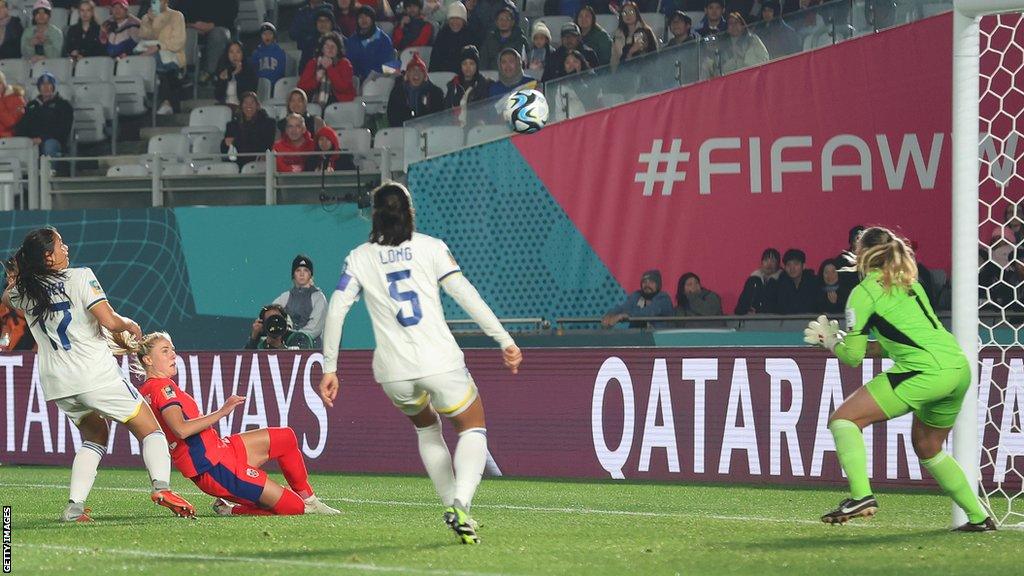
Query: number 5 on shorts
(404, 296)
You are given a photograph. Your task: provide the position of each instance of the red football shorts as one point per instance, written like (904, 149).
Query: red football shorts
(232, 478)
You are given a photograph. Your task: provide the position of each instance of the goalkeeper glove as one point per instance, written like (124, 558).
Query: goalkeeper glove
(824, 333)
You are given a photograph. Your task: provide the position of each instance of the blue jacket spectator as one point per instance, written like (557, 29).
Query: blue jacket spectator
(121, 31)
(269, 58)
(649, 300)
(303, 28)
(369, 47)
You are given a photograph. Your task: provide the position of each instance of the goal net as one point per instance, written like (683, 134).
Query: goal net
(997, 443)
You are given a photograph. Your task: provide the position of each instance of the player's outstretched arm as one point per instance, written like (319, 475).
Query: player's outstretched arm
(341, 301)
(184, 428)
(467, 297)
(113, 321)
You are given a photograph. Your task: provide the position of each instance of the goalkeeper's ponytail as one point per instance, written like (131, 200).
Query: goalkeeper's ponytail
(879, 249)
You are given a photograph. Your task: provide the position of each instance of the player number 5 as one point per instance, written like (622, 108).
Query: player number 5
(401, 297)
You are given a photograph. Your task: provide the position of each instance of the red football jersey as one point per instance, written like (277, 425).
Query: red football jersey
(193, 455)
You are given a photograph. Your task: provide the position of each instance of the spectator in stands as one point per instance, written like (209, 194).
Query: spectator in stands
(48, 118)
(469, 85)
(295, 139)
(593, 35)
(345, 12)
(166, 32)
(848, 276)
(649, 300)
(272, 330)
(1002, 286)
(250, 131)
(10, 32)
(370, 48)
(759, 293)
(798, 288)
(505, 34)
(235, 76)
(12, 106)
(692, 299)
(714, 22)
(14, 332)
(539, 51)
(413, 29)
(413, 94)
(298, 103)
(327, 143)
(510, 73)
(328, 78)
(120, 31)
(451, 39)
(214, 20)
(269, 59)
(633, 37)
(381, 8)
(779, 37)
(681, 27)
(305, 304)
(555, 66)
(1005, 239)
(739, 49)
(325, 26)
(831, 294)
(303, 29)
(475, 19)
(42, 40)
(577, 96)
(83, 37)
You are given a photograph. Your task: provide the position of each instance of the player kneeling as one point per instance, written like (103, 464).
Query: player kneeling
(226, 468)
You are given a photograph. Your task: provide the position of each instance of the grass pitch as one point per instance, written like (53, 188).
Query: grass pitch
(392, 525)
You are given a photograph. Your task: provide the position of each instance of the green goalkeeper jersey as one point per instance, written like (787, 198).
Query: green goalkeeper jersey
(903, 323)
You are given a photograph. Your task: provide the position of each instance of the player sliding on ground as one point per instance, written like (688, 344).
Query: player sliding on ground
(229, 469)
(929, 377)
(417, 361)
(65, 308)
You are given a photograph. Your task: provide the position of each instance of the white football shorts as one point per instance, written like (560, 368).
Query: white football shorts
(118, 401)
(450, 393)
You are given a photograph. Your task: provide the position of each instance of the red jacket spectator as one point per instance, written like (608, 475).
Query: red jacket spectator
(328, 77)
(12, 107)
(295, 139)
(326, 141)
(412, 29)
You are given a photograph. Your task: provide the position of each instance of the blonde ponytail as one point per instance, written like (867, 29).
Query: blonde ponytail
(881, 250)
(124, 344)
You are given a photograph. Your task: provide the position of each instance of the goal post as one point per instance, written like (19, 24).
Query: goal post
(966, 186)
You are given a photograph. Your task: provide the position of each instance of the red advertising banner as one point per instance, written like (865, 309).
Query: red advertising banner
(787, 155)
(710, 415)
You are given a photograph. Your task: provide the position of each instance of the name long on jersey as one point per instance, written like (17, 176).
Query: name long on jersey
(73, 354)
(402, 289)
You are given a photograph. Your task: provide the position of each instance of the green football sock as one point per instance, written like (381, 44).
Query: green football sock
(950, 476)
(853, 457)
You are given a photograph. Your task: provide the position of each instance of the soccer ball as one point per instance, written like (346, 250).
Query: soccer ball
(526, 111)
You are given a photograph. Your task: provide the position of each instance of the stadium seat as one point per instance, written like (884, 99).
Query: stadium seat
(208, 120)
(94, 68)
(19, 148)
(291, 63)
(396, 141)
(95, 105)
(205, 144)
(59, 17)
(134, 78)
(533, 8)
(656, 21)
(386, 27)
(170, 147)
(481, 134)
(283, 86)
(192, 58)
(376, 92)
(177, 169)
(264, 89)
(127, 171)
(491, 75)
(441, 139)
(554, 24)
(16, 70)
(59, 67)
(254, 168)
(355, 141)
(218, 169)
(440, 78)
(251, 13)
(424, 52)
(345, 115)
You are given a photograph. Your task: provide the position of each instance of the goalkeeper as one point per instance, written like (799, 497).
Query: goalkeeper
(929, 378)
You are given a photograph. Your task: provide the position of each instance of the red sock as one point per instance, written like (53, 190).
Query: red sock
(290, 504)
(284, 448)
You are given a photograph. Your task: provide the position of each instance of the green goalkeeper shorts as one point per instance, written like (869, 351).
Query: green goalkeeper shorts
(934, 396)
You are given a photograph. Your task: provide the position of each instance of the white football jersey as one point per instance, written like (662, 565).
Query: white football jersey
(402, 289)
(73, 356)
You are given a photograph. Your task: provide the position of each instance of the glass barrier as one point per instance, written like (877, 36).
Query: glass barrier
(670, 67)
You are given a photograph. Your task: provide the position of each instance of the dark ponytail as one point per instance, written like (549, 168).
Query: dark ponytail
(35, 278)
(394, 219)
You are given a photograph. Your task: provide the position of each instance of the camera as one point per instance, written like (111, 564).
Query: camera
(275, 325)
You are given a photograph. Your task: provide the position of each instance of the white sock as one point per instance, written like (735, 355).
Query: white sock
(437, 460)
(157, 457)
(83, 470)
(470, 459)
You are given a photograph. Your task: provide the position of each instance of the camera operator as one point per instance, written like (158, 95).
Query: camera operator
(304, 303)
(272, 331)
